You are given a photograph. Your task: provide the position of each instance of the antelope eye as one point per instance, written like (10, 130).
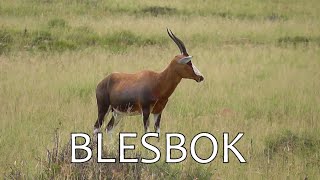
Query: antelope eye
(190, 63)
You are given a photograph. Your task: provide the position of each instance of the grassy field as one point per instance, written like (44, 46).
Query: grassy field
(260, 59)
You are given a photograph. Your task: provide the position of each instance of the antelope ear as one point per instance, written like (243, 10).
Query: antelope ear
(185, 60)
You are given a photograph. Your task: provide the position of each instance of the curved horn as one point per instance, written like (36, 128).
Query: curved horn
(174, 40)
(184, 50)
(178, 42)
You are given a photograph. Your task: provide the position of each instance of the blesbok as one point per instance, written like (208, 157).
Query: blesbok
(145, 92)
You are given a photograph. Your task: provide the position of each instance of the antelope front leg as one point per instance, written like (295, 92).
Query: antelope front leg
(157, 118)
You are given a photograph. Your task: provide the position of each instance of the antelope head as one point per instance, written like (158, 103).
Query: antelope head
(182, 63)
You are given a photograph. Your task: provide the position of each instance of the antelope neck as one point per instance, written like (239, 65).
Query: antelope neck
(168, 81)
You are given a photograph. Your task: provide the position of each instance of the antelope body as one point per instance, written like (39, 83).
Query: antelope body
(145, 92)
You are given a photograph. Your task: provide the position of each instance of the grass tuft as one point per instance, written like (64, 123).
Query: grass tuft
(83, 36)
(276, 17)
(57, 23)
(294, 40)
(158, 10)
(42, 40)
(289, 142)
(6, 40)
(57, 165)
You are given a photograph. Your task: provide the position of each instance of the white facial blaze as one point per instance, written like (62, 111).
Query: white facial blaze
(196, 70)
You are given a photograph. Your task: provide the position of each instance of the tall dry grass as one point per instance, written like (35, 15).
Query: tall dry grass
(261, 78)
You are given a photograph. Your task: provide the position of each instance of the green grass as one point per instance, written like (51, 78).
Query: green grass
(261, 65)
(58, 36)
